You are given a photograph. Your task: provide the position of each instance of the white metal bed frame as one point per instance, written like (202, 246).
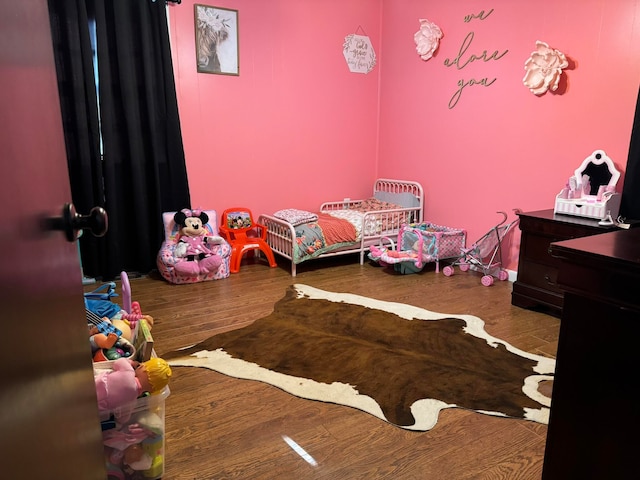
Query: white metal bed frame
(281, 234)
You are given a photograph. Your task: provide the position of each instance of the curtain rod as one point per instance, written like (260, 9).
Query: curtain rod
(175, 1)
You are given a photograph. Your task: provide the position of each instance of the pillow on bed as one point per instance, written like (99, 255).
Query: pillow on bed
(373, 204)
(404, 199)
(295, 217)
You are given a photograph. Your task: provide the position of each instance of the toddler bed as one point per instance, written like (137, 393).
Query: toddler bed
(345, 226)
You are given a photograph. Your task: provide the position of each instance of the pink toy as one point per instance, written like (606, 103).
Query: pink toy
(485, 255)
(194, 244)
(126, 447)
(131, 311)
(118, 388)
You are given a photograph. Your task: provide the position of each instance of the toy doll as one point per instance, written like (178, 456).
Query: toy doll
(117, 389)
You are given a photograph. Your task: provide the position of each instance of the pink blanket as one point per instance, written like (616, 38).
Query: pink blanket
(336, 230)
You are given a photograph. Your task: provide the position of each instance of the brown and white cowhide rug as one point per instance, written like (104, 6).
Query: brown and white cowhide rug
(400, 363)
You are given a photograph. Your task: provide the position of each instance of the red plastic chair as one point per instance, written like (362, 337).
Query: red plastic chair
(243, 234)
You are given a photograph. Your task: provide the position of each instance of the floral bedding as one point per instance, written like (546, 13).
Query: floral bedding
(326, 233)
(338, 228)
(373, 224)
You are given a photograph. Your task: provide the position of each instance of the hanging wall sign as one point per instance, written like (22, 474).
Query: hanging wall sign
(359, 53)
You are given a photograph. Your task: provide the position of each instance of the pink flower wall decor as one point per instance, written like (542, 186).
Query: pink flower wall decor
(544, 68)
(427, 39)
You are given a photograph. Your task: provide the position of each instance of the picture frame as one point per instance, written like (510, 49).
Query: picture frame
(216, 30)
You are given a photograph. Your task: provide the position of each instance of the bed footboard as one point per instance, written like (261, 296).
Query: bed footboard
(280, 237)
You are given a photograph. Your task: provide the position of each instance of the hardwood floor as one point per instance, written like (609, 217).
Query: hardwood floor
(219, 427)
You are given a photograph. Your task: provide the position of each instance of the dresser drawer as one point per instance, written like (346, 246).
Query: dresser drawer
(535, 247)
(539, 275)
(561, 227)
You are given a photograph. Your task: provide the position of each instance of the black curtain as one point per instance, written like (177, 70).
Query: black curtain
(630, 201)
(139, 171)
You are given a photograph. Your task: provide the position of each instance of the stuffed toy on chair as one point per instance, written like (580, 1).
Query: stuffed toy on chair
(194, 244)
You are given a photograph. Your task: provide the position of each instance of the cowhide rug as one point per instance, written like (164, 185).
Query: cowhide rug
(400, 363)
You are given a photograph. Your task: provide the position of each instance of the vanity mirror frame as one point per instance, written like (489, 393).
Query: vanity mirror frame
(601, 201)
(591, 163)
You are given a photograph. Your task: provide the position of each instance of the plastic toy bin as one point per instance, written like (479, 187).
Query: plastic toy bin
(134, 437)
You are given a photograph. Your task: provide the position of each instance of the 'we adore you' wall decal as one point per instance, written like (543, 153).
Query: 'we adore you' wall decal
(465, 58)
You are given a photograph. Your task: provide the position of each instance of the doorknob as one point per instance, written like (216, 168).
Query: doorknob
(71, 222)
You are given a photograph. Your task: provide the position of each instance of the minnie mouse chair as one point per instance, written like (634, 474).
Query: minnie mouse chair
(192, 251)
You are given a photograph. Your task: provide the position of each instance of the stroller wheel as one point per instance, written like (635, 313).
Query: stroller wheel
(487, 280)
(503, 275)
(448, 271)
(465, 267)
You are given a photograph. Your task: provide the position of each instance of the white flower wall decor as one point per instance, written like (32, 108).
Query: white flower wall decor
(544, 68)
(427, 39)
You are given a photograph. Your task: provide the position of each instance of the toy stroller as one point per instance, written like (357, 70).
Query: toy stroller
(485, 254)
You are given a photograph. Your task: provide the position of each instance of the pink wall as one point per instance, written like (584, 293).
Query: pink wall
(296, 128)
(501, 147)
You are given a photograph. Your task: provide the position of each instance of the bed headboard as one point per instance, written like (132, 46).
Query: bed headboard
(401, 192)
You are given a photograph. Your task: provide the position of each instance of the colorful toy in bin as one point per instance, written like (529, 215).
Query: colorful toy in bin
(154, 449)
(119, 336)
(135, 449)
(109, 339)
(99, 300)
(136, 315)
(131, 311)
(131, 394)
(118, 388)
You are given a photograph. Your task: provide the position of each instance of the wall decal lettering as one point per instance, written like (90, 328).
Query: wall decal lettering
(479, 16)
(463, 59)
(485, 82)
(496, 55)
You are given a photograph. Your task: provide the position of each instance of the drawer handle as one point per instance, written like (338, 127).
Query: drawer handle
(548, 279)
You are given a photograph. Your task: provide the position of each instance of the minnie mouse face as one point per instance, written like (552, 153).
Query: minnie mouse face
(191, 226)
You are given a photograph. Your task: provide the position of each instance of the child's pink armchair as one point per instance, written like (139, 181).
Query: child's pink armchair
(166, 259)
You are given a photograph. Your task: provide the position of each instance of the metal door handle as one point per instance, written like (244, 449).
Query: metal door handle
(71, 222)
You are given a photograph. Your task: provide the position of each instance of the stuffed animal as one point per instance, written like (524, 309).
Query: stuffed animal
(194, 248)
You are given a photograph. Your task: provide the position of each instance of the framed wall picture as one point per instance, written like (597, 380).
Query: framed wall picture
(216, 40)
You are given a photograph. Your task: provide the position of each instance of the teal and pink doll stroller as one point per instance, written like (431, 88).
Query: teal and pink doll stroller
(417, 245)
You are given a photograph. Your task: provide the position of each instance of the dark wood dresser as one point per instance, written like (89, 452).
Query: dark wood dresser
(536, 286)
(594, 426)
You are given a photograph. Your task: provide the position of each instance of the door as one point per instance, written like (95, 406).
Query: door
(49, 425)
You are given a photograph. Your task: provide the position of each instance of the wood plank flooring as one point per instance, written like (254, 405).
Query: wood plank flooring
(223, 428)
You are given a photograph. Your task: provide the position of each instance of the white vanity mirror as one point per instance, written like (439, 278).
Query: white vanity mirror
(591, 191)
